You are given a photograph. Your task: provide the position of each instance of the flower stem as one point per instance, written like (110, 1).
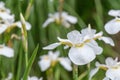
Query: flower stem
(88, 65)
(50, 74)
(75, 72)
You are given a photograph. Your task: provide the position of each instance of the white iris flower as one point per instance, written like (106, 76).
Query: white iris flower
(6, 51)
(113, 26)
(51, 59)
(60, 18)
(84, 48)
(112, 68)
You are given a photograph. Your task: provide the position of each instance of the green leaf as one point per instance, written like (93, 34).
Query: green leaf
(25, 76)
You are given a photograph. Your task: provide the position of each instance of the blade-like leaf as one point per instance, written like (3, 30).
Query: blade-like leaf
(30, 63)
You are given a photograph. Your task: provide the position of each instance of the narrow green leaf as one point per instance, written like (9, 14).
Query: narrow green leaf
(30, 63)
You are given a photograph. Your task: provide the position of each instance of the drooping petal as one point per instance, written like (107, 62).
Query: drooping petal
(81, 55)
(114, 13)
(48, 21)
(6, 51)
(65, 62)
(113, 74)
(66, 24)
(28, 25)
(107, 40)
(52, 46)
(44, 64)
(93, 72)
(74, 36)
(97, 49)
(113, 26)
(71, 19)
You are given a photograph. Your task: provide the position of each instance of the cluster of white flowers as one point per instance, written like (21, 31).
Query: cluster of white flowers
(7, 19)
(50, 60)
(6, 22)
(84, 48)
(112, 68)
(60, 18)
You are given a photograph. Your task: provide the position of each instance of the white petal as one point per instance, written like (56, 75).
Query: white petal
(93, 72)
(97, 64)
(28, 25)
(114, 13)
(66, 47)
(98, 34)
(113, 73)
(52, 46)
(74, 36)
(6, 51)
(112, 27)
(64, 40)
(44, 64)
(82, 55)
(48, 21)
(66, 24)
(71, 19)
(110, 62)
(32, 78)
(65, 62)
(3, 28)
(107, 40)
(97, 49)
(88, 32)
(54, 55)
(6, 16)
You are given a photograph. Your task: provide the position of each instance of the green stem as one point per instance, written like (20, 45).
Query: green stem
(19, 64)
(57, 73)
(88, 65)
(75, 72)
(50, 74)
(26, 58)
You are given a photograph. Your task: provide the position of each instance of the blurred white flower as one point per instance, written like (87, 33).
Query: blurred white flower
(60, 18)
(6, 18)
(113, 26)
(112, 68)
(6, 51)
(34, 78)
(84, 48)
(50, 60)
(10, 75)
